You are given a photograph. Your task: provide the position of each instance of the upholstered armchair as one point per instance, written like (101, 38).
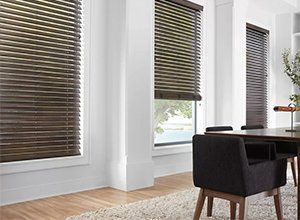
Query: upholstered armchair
(221, 169)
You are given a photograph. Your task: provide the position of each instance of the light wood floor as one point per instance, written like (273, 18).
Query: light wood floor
(60, 207)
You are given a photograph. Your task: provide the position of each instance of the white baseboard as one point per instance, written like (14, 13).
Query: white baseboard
(140, 175)
(122, 176)
(172, 169)
(117, 175)
(172, 164)
(131, 176)
(52, 189)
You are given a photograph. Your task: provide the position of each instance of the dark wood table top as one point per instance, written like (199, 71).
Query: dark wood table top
(278, 134)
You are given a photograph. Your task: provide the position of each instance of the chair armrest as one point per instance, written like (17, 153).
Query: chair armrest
(261, 150)
(265, 176)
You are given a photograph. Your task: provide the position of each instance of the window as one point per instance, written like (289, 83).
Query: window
(174, 121)
(177, 70)
(257, 43)
(40, 79)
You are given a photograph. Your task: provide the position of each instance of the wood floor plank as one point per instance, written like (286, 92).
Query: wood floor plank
(60, 207)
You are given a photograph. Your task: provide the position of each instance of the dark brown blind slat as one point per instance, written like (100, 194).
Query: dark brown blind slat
(257, 47)
(40, 79)
(177, 50)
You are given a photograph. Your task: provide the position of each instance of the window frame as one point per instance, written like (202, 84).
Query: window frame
(84, 158)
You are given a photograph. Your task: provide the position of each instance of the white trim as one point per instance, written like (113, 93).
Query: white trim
(130, 176)
(171, 169)
(46, 190)
(201, 107)
(172, 149)
(42, 164)
(153, 77)
(223, 2)
(49, 163)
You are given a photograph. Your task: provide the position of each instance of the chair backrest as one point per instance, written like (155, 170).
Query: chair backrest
(219, 128)
(220, 163)
(251, 127)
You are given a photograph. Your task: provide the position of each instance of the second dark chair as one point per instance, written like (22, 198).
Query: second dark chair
(250, 127)
(283, 150)
(219, 128)
(256, 151)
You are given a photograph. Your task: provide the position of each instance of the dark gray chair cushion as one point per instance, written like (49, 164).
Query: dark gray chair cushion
(251, 127)
(220, 163)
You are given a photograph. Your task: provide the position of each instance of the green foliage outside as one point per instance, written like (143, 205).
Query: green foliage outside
(165, 109)
(292, 69)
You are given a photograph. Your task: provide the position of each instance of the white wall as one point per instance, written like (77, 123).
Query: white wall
(276, 6)
(224, 102)
(283, 85)
(121, 96)
(22, 186)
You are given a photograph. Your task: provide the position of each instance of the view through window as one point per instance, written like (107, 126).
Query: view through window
(174, 122)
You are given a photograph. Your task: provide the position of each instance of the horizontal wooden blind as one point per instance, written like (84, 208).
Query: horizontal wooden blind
(257, 75)
(177, 50)
(40, 54)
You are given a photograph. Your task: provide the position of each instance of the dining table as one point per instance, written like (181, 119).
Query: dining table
(270, 134)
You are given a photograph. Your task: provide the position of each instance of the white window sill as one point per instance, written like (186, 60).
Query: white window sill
(42, 164)
(172, 149)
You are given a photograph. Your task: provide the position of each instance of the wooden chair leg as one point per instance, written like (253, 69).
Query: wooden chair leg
(278, 205)
(232, 210)
(199, 205)
(210, 202)
(294, 171)
(243, 209)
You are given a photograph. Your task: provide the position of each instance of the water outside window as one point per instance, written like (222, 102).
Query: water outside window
(174, 121)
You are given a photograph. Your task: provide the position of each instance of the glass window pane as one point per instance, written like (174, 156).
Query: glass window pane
(173, 121)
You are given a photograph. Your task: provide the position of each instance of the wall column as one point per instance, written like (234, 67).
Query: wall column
(129, 109)
(231, 62)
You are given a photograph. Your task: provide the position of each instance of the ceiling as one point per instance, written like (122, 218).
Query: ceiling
(278, 6)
